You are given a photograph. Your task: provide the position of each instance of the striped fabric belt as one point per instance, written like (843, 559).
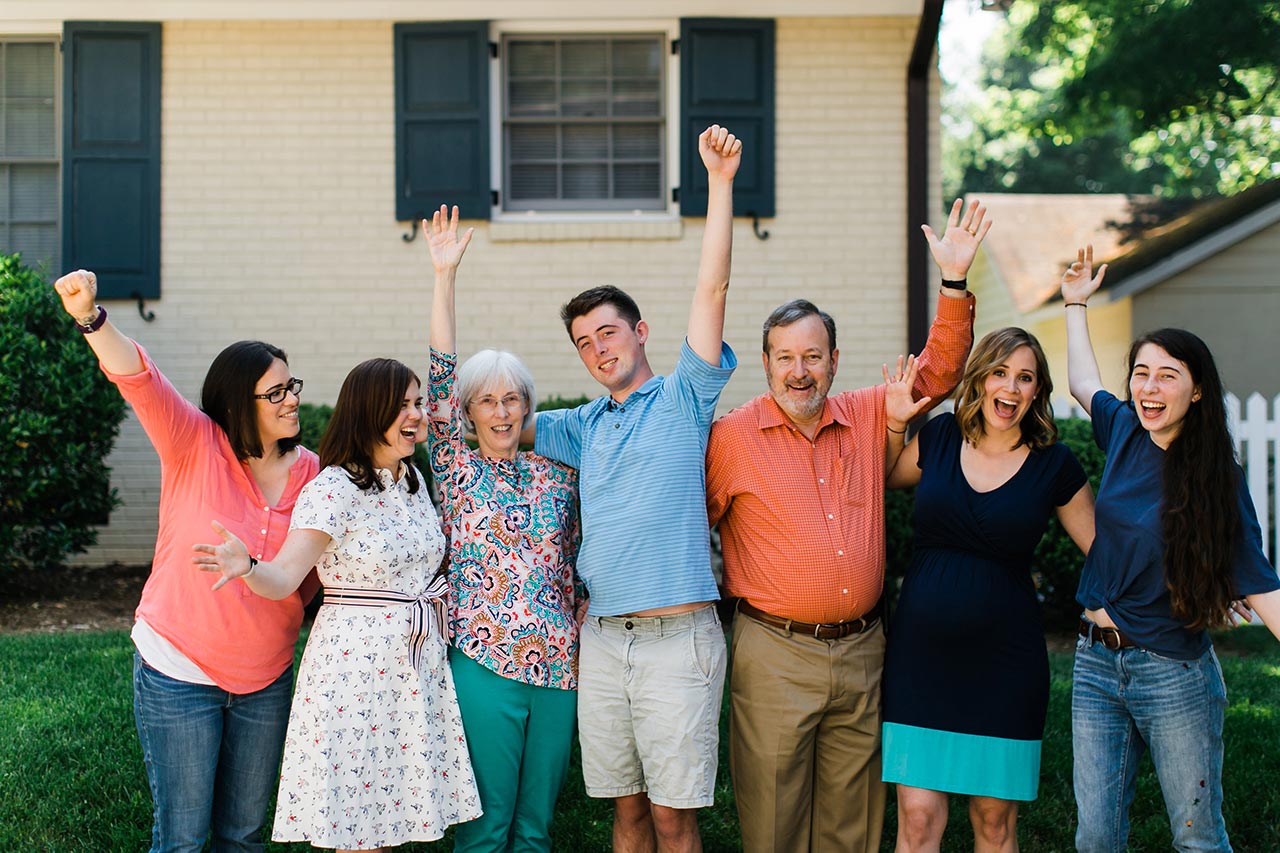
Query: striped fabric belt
(427, 610)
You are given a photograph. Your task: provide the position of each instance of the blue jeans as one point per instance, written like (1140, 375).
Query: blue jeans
(1126, 701)
(213, 758)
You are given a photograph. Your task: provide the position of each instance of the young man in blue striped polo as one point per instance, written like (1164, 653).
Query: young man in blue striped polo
(652, 660)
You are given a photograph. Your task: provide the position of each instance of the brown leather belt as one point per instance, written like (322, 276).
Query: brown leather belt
(827, 631)
(1111, 638)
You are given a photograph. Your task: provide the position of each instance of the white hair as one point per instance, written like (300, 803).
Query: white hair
(486, 369)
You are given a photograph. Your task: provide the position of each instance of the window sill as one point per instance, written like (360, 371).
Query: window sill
(510, 228)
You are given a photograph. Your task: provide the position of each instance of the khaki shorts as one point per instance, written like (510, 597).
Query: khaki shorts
(649, 692)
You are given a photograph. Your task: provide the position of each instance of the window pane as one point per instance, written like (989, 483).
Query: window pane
(636, 98)
(28, 70)
(29, 129)
(636, 58)
(531, 59)
(37, 243)
(533, 182)
(584, 59)
(586, 180)
(34, 192)
(532, 98)
(637, 180)
(584, 98)
(586, 141)
(532, 142)
(637, 141)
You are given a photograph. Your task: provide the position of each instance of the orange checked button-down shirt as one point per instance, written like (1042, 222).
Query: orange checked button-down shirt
(802, 522)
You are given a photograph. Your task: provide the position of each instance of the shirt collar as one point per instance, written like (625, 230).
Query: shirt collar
(650, 385)
(771, 415)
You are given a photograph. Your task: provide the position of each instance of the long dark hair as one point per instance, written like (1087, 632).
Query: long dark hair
(227, 396)
(1201, 516)
(368, 404)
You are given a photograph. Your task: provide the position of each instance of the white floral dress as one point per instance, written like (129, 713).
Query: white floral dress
(375, 754)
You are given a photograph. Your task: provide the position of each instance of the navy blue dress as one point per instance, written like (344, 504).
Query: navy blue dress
(966, 677)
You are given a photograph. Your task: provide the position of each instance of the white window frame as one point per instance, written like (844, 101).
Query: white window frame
(670, 29)
(55, 39)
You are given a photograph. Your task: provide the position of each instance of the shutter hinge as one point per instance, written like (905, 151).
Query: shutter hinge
(493, 49)
(675, 195)
(493, 197)
(675, 47)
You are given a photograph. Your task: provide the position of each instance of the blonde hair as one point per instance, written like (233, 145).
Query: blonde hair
(1038, 429)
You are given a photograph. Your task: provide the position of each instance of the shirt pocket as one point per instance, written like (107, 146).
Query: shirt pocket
(849, 476)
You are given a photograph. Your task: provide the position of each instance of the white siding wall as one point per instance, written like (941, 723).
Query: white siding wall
(278, 223)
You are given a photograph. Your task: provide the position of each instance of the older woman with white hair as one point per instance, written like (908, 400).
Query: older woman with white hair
(512, 522)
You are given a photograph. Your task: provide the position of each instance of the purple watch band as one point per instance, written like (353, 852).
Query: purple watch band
(96, 324)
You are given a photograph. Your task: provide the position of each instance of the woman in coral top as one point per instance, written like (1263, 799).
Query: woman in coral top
(213, 671)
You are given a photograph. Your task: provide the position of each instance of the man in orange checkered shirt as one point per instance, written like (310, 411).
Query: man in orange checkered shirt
(795, 480)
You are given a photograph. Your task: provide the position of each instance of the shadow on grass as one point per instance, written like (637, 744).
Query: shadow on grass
(71, 775)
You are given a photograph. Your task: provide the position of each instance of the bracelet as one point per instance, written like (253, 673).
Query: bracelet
(95, 325)
(253, 565)
(895, 431)
(959, 284)
(1081, 304)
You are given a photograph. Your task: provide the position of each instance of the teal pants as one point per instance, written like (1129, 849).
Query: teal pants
(519, 737)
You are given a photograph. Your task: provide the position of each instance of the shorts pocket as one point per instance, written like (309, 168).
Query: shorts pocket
(706, 651)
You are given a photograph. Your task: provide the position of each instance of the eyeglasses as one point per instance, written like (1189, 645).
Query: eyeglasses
(489, 405)
(276, 395)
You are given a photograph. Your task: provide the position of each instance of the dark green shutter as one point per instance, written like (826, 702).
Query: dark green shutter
(726, 78)
(111, 155)
(442, 118)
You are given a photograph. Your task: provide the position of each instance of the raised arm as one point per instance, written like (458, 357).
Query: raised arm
(955, 250)
(446, 251)
(721, 153)
(900, 408)
(1078, 284)
(275, 579)
(116, 352)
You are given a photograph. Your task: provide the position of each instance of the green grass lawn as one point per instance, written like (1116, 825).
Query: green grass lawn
(71, 775)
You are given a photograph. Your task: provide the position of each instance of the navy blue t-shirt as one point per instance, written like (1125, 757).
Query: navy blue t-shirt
(1124, 571)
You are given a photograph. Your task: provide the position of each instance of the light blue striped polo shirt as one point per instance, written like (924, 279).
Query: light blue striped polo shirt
(642, 476)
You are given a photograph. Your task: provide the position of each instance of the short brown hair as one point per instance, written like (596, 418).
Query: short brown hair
(367, 406)
(589, 300)
(1038, 429)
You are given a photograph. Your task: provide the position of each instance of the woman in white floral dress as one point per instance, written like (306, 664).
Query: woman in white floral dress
(375, 755)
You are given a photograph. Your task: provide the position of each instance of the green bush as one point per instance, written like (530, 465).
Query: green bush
(1057, 562)
(314, 417)
(59, 417)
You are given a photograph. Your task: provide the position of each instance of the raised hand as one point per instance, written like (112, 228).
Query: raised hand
(1079, 282)
(899, 407)
(721, 152)
(231, 557)
(442, 239)
(79, 292)
(965, 231)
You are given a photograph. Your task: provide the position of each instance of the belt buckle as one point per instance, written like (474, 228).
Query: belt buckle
(1110, 637)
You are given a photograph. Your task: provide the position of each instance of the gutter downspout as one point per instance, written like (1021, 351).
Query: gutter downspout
(918, 68)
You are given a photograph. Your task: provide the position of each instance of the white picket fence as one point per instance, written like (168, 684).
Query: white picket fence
(1257, 438)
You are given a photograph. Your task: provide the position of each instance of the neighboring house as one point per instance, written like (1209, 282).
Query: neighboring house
(1210, 268)
(249, 170)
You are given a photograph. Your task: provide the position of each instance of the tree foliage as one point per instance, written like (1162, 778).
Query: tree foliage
(58, 420)
(1173, 97)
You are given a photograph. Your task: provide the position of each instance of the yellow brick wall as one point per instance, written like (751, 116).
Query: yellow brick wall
(278, 223)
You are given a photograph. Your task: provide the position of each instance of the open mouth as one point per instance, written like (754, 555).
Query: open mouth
(501, 428)
(409, 432)
(607, 365)
(1004, 408)
(1151, 409)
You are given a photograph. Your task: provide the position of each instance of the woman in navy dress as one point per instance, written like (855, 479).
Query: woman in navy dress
(966, 680)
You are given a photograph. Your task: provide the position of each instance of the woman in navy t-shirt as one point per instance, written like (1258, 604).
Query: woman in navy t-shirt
(1177, 541)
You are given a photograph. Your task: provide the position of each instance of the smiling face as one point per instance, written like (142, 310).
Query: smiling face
(1162, 390)
(401, 437)
(276, 420)
(611, 350)
(1009, 390)
(800, 366)
(497, 413)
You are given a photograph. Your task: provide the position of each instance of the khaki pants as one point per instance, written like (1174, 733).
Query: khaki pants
(804, 739)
